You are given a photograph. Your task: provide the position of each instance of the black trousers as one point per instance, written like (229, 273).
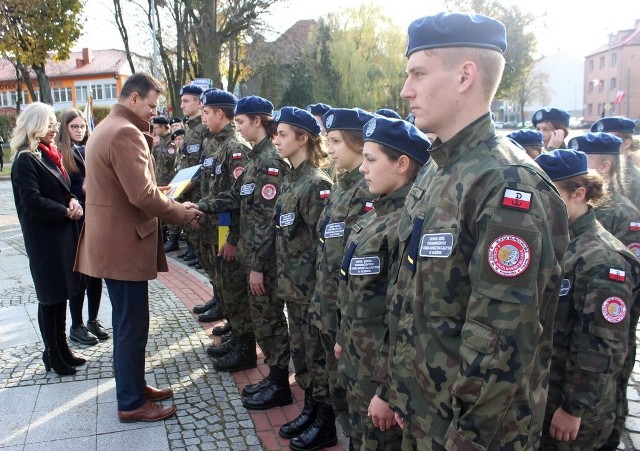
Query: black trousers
(130, 320)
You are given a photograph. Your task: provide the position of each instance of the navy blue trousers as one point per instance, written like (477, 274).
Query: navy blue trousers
(130, 320)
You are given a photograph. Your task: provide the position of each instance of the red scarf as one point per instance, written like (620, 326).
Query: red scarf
(54, 154)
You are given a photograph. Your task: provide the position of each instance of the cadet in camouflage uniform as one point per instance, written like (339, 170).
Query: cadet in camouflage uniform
(552, 123)
(394, 151)
(222, 169)
(617, 213)
(305, 192)
(254, 194)
(349, 200)
(482, 235)
(592, 324)
(164, 155)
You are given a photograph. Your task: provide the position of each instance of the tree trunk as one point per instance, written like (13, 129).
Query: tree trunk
(209, 55)
(117, 13)
(43, 83)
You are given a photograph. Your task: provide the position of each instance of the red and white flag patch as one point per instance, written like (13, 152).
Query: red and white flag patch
(273, 171)
(325, 193)
(617, 274)
(634, 226)
(236, 155)
(520, 200)
(368, 206)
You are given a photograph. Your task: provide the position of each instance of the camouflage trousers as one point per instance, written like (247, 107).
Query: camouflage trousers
(414, 439)
(364, 435)
(232, 285)
(307, 353)
(269, 322)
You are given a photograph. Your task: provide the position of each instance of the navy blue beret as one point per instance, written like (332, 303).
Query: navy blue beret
(193, 90)
(218, 97)
(160, 120)
(456, 30)
(346, 119)
(388, 112)
(175, 120)
(318, 109)
(551, 115)
(561, 164)
(597, 143)
(399, 135)
(254, 105)
(298, 117)
(179, 132)
(618, 124)
(526, 137)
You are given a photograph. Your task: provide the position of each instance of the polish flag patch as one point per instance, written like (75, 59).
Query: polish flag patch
(616, 274)
(273, 171)
(520, 200)
(368, 206)
(325, 194)
(634, 226)
(237, 155)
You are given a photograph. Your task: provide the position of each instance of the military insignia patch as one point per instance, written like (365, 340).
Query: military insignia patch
(566, 287)
(237, 171)
(236, 155)
(193, 148)
(208, 162)
(635, 248)
(634, 226)
(368, 206)
(219, 169)
(509, 255)
(287, 219)
(616, 274)
(273, 171)
(520, 200)
(600, 126)
(371, 127)
(171, 150)
(614, 309)
(269, 191)
(325, 193)
(329, 121)
(247, 189)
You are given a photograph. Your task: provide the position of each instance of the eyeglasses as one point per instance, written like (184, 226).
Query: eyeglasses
(55, 126)
(76, 127)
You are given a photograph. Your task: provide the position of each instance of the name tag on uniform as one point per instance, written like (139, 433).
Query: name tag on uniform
(193, 148)
(247, 189)
(219, 169)
(438, 245)
(287, 219)
(364, 266)
(208, 162)
(334, 230)
(566, 287)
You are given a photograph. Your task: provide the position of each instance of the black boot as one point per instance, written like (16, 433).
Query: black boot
(219, 331)
(183, 254)
(173, 242)
(213, 314)
(201, 308)
(241, 357)
(276, 393)
(321, 433)
(191, 255)
(304, 420)
(63, 346)
(228, 336)
(216, 351)
(47, 318)
(275, 374)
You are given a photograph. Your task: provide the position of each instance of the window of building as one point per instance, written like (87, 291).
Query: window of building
(82, 92)
(601, 86)
(614, 59)
(590, 109)
(590, 88)
(612, 83)
(106, 91)
(590, 65)
(61, 95)
(5, 98)
(602, 64)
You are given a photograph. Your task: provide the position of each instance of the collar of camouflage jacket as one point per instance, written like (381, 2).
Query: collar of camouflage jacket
(467, 139)
(393, 201)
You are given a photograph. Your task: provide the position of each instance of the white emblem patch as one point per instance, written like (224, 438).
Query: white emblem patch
(364, 266)
(269, 191)
(509, 255)
(334, 230)
(287, 219)
(614, 309)
(247, 189)
(371, 127)
(565, 288)
(329, 121)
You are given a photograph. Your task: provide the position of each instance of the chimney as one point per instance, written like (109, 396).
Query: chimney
(87, 57)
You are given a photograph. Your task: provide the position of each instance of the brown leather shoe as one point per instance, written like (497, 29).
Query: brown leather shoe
(157, 394)
(147, 412)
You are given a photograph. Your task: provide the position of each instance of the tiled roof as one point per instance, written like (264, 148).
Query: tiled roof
(108, 62)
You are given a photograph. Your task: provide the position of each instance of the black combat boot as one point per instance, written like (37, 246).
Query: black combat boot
(173, 242)
(304, 420)
(321, 433)
(219, 331)
(201, 308)
(213, 314)
(217, 351)
(241, 357)
(275, 393)
(275, 374)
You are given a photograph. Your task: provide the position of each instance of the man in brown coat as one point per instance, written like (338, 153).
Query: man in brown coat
(121, 240)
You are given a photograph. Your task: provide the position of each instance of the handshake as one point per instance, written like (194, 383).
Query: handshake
(193, 214)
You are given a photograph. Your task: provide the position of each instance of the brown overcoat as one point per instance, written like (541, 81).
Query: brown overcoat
(121, 238)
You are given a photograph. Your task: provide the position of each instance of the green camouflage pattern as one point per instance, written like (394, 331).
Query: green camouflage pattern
(472, 314)
(165, 155)
(590, 335)
(622, 219)
(632, 175)
(305, 192)
(368, 272)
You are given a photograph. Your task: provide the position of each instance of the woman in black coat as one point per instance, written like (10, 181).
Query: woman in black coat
(48, 215)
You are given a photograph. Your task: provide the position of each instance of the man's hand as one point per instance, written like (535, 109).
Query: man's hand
(381, 415)
(256, 283)
(227, 252)
(564, 427)
(399, 420)
(337, 351)
(74, 210)
(164, 189)
(193, 214)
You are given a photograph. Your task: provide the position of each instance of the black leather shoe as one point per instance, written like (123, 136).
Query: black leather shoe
(213, 314)
(80, 334)
(252, 389)
(321, 433)
(270, 396)
(183, 254)
(303, 421)
(193, 263)
(97, 329)
(219, 331)
(197, 265)
(190, 256)
(201, 308)
(228, 336)
(242, 357)
(217, 351)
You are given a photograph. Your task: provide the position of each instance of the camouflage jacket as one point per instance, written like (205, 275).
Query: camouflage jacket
(591, 326)
(254, 195)
(165, 155)
(191, 152)
(305, 192)
(368, 271)
(622, 219)
(632, 175)
(349, 200)
(209, 224)
(482, 235)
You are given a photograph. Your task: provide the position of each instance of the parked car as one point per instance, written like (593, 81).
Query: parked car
(499, 124)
